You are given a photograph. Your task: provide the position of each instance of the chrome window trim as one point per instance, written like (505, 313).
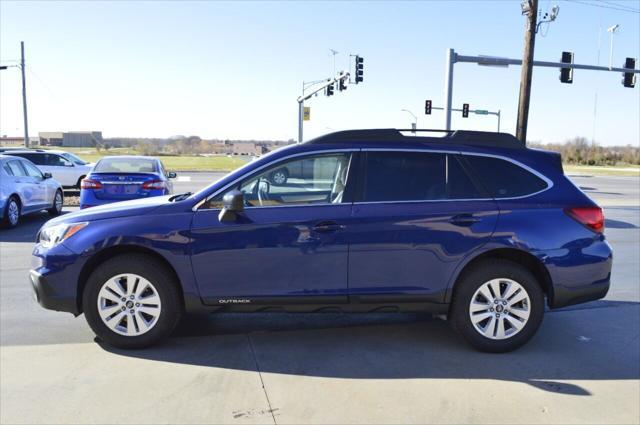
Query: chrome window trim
(548, 181)
(197, 206)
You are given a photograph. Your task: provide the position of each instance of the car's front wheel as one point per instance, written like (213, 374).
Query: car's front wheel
(132, 301)
(497, 306)
(58, 201)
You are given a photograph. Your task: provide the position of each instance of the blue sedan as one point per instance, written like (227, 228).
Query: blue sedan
(122, 178)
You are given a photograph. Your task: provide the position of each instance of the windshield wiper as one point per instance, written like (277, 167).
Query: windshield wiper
(180, 197)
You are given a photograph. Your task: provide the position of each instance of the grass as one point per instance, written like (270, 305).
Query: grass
(622, 170)
(171, 162)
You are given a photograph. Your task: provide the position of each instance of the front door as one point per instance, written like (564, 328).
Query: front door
(415, 217)
(288, 245)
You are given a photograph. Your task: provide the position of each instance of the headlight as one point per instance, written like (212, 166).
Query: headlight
(53, 235)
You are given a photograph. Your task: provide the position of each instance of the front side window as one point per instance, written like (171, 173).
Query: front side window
(54, 160)
(319, 179)
(31, 170)
(504, 179)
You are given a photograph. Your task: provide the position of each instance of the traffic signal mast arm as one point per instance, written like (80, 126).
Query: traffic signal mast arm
(492, 61)
(342, 77)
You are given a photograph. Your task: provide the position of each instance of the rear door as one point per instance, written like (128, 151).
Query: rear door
(21, 183)
(416, 216)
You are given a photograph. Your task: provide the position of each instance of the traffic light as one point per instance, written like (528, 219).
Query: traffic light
(465, 110)
(342, 85)
(566, 74)
(427, 107)
(359, 69)
(329, 90)
(629, 78)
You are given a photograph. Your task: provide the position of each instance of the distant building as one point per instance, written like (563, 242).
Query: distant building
(11, 141)
(253, 149)
(71, 139)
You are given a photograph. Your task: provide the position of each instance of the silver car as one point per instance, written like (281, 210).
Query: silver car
(25, 189)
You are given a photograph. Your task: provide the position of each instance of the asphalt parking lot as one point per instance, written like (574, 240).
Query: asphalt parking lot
(582, 366)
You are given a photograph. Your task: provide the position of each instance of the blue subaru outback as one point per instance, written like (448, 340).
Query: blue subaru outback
(472, 225)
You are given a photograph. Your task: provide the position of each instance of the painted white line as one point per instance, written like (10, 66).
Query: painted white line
(184, 178)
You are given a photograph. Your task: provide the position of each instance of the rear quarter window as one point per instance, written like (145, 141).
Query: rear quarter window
(504, 179)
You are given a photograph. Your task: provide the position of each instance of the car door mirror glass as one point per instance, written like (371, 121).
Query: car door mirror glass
(46, 176)
(171, 175)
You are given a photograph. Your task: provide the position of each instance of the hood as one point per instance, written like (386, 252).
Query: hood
(113, 210)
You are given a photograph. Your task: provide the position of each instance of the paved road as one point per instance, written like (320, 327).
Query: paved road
(583, 366)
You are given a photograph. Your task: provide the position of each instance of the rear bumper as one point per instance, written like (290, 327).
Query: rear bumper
(579, 273)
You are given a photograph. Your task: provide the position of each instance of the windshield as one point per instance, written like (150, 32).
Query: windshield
(75, 159)
(125, 165)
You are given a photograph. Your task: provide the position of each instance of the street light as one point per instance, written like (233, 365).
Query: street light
(612, 30)
(414, 124)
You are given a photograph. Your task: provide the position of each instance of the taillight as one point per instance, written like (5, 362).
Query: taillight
(592, 217)
(153, 184)
(90, 184)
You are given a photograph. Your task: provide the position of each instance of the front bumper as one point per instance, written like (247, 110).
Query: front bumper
(54, 278)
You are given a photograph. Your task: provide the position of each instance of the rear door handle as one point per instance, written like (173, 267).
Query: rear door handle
(464, 220)
(327, 227)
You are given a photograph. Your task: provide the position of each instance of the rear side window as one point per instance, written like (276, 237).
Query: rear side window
(36, 158)
(404, 176)
(504, 179)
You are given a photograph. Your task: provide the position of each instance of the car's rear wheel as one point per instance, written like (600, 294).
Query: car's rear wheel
(58, 201)
(11, 213)
(79, 183)
(497, 306)
(132, 301)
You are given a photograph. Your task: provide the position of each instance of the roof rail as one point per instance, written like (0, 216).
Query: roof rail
(463, 137)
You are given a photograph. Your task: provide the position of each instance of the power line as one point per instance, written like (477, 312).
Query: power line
(604, 6)
(624, 6)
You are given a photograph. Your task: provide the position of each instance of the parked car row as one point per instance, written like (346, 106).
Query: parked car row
(32, 180)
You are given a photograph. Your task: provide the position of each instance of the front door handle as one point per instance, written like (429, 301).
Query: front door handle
(327, 227)
(464, 220)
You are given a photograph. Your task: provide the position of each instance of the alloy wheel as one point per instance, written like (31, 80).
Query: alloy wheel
(500, 308)
(13, 212)
(279, 177)
(129, 304)
(58, 201)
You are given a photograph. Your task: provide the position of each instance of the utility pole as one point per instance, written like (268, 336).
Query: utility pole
(24, 97)
(530, 9)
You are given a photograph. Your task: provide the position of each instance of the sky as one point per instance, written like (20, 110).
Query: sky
(233, 70)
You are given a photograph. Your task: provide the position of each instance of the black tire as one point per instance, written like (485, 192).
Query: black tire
(156, 273)
(474, 279)
(77, 186)
(54, 211)
(6, 221)
(280, 176)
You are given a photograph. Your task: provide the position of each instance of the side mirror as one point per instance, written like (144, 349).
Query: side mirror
(171, 175)
(46, 176)
(233, 204)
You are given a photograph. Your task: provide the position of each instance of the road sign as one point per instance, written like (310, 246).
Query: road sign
(481, 112)
(307, 113)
